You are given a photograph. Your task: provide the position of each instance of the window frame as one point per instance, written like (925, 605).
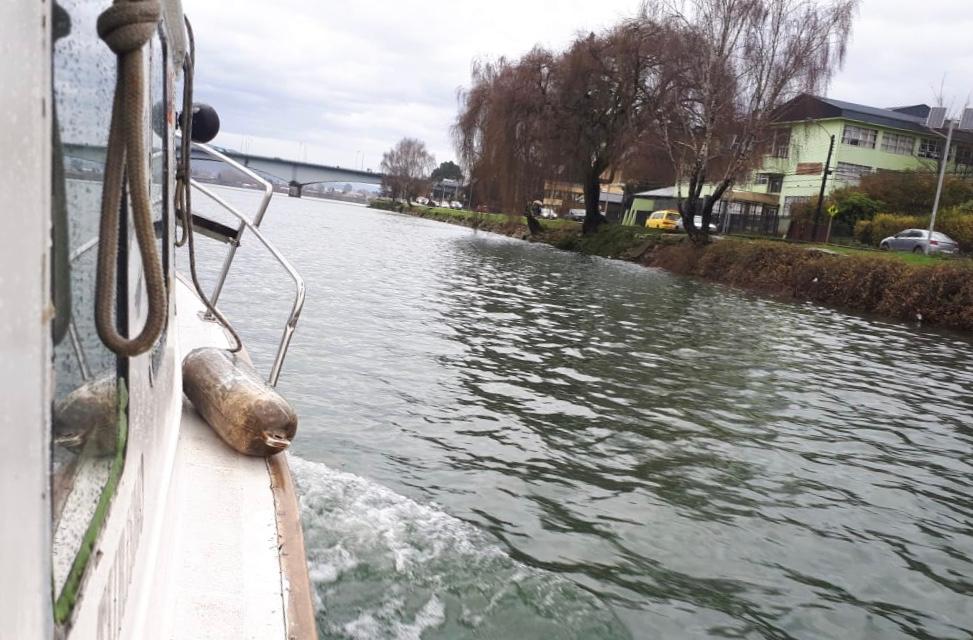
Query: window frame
(775, 182)
(854, 135)
(851, 172)
(930, 148)
(780, 144)
(893, 143)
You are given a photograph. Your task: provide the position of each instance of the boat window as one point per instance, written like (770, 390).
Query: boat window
(89, 410)
(159, 193)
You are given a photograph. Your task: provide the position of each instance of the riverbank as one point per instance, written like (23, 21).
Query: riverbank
(939, 292)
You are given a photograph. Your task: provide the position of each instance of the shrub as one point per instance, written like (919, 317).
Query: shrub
(912, 192)
(941, 294)
(888, 224)
(853, 206)
(383, 204)
(863, 231)
(956, 222)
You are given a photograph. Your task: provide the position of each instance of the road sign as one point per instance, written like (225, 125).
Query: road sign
(833, 210)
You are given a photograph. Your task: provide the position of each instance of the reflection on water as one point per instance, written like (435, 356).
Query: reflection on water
(662, 457)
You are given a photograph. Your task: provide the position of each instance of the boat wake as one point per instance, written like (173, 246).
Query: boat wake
(385, 566)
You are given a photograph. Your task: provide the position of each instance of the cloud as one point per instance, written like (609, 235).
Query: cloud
(348, 80)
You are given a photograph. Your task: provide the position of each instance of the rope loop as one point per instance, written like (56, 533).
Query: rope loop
(128, 24)
(126, 27)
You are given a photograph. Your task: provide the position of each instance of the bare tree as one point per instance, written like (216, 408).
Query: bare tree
(738, 62)
(570, 117)
(406, 168)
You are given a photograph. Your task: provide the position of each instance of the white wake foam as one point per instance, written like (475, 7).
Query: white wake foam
(388, 567)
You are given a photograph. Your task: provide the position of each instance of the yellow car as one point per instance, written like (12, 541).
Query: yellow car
(667, 220)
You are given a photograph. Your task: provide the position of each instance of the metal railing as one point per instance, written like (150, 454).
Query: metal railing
(253, 227)
(73, 334)
(257, 219)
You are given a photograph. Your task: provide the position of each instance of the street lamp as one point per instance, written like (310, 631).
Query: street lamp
(944, 158)
(824, 180)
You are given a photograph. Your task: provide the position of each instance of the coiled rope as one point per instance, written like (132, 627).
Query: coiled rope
(126, 27)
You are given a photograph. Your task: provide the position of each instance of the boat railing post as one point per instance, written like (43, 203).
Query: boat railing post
(268, 190)
(299, 287)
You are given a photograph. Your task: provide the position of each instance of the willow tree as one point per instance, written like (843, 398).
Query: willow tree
(500, 129)
(741, 60)
(575, 116)
(607, 90)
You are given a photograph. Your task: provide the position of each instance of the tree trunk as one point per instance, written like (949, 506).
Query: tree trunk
(533, 224)
(707, 210)
(592, 195)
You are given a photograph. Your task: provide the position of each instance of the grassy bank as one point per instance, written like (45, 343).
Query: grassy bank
(896, 286)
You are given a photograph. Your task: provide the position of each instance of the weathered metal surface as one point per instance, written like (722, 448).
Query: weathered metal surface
(299, 603)
(246, 413)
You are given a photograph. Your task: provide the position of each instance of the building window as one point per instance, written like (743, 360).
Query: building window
(963, 154)
(901, 145)
(859, 136)
(851, 173)
(775, 183)
(929, 148)
(780, 146)
(762, 178)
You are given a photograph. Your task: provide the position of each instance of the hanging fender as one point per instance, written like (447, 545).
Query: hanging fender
(243, 409)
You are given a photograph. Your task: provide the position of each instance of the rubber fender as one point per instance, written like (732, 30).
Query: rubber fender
(87, 418)
(245, 411)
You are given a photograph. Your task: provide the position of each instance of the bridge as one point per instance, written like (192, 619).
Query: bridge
(293, 173)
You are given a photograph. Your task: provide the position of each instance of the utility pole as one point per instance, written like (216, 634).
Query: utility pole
(824, 182)
(944, 158)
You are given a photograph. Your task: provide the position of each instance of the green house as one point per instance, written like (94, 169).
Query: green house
(867, 139)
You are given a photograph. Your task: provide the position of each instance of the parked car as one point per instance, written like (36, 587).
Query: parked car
(455, 204)
(547, 212)
(423, 200)
(698, 221)
(914, 240)
(576, 214)
(666, 219)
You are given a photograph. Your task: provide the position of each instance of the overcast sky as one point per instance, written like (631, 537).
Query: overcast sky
(341, 82)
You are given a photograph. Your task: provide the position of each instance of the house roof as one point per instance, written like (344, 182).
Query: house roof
(920, 110)
(611, 197)
(664, 192)
(815, 107)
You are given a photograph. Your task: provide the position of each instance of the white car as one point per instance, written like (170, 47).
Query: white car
(422, 200)
(914, 240)
(698, 223)
(455, 204)
(547, 212)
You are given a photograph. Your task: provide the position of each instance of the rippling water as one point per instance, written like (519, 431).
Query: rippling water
(501, 440)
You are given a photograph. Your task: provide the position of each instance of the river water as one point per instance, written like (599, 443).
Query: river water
(502, 440)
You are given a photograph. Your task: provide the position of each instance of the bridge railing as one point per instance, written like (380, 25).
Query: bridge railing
(253, 227)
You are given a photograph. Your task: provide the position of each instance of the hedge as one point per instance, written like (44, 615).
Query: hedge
(941, 294)
(956, 222)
